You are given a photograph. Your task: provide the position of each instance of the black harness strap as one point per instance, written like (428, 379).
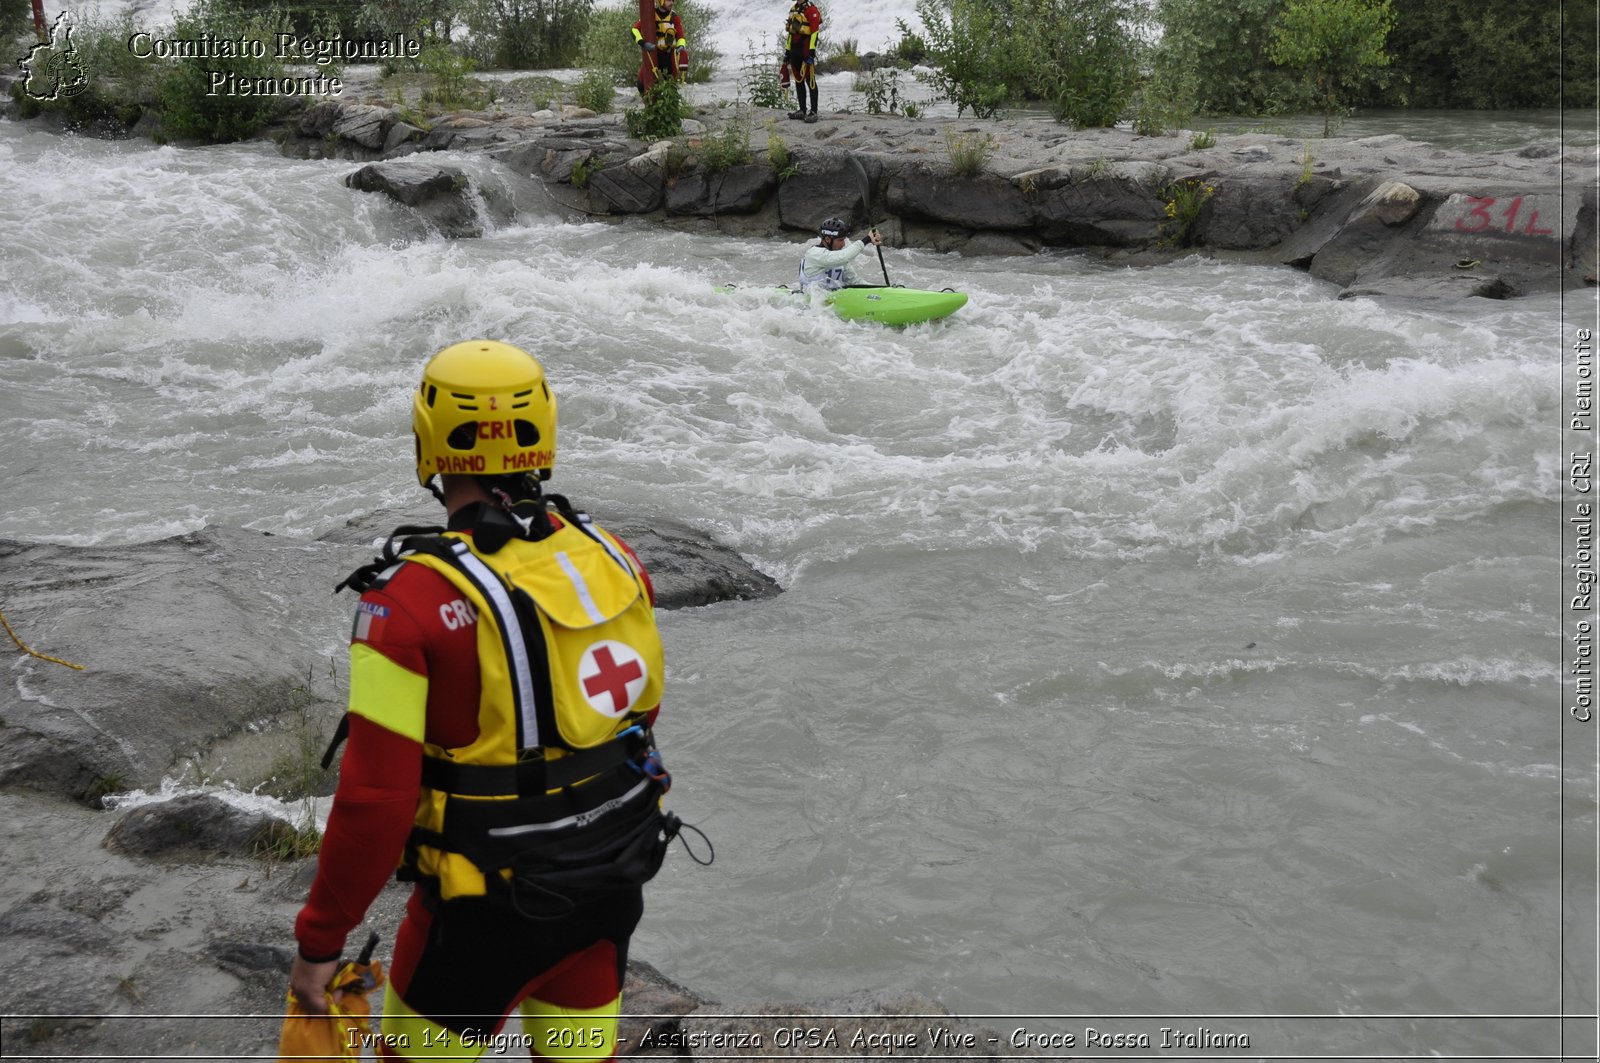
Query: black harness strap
(534, 776)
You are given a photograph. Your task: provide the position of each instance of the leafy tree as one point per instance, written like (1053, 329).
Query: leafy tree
(1223, 48)
(312, 18)
(1082, 56)
(1339, 43)
(527, 34)
(1477, 54)
(1088, 57)
(192, 106)
(432, 19)
(16, 22)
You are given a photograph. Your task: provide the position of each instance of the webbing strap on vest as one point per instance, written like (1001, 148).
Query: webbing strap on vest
(527, 778)
(521, 637)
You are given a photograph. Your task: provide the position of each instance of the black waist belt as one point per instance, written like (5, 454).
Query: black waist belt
(534, 776)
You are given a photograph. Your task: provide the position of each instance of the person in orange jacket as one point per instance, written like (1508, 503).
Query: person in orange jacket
(668, 54)
(800, 56)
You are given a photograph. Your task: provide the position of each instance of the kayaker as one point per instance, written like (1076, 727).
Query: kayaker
(504, 677)
(828, 263)
(800, 54)
(668, 54)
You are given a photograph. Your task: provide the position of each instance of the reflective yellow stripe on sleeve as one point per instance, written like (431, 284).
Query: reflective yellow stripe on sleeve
(390, 696)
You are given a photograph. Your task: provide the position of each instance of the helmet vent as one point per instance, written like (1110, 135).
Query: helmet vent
(527, 433)
(463, 436)
(433, 393)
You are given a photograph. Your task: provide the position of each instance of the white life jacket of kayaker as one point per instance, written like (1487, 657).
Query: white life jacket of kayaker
(828, 278)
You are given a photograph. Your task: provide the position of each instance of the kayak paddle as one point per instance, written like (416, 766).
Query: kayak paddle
(865, 188)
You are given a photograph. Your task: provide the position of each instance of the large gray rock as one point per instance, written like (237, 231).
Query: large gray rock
(196, 824)
(184, 641)
(741, 189)
(442, 195)
(981, 202)
(825, 184)
(1114, 205)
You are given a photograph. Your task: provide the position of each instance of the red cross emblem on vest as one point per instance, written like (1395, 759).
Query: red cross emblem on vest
(612, 676)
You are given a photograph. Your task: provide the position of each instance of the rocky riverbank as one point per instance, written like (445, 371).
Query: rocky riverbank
(1376, 216)
(1380, 216)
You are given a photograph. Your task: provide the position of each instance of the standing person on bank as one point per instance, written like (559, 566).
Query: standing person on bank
(829, 263)
(504, 677)
(801, 31)
(668, 54)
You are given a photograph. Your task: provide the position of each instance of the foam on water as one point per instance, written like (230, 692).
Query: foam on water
(303, 812)
(1225, 409)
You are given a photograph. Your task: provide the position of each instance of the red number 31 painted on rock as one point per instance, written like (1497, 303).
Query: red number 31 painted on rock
(1482, 219)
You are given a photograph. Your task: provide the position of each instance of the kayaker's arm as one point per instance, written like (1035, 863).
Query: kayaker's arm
(820, 258)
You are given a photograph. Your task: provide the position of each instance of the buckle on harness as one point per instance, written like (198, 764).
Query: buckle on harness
(652, 768)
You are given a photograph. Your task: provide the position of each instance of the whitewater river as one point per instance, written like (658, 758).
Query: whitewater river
(1176, 641)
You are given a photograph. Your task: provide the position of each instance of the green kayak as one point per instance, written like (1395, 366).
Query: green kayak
(895, 306)
(888, 306)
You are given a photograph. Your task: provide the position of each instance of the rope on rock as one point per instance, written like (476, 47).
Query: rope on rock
(25, 648)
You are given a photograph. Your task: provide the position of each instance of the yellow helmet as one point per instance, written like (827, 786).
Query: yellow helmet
(483, 409)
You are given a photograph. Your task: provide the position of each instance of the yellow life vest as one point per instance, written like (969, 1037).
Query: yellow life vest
(799, 25)
(666, 33)
(570, 663)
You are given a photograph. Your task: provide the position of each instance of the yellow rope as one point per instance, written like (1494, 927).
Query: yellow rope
(31, 652)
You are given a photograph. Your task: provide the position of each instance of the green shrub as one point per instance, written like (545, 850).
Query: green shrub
(968, 152)
(1165, 103)
(582, 170)
(779, 156)
(662, 114)
(729, 146)
(1222, 50)
(596, 90)
(201, 98)
(844, 56)
(1082, 57)
(526, 34)
(882, 90)
(910, 49)
(1185, 199)
(760, 83)
(972, 65)
(449, 75)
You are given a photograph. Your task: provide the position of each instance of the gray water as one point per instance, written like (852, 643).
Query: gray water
(1175, 640)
